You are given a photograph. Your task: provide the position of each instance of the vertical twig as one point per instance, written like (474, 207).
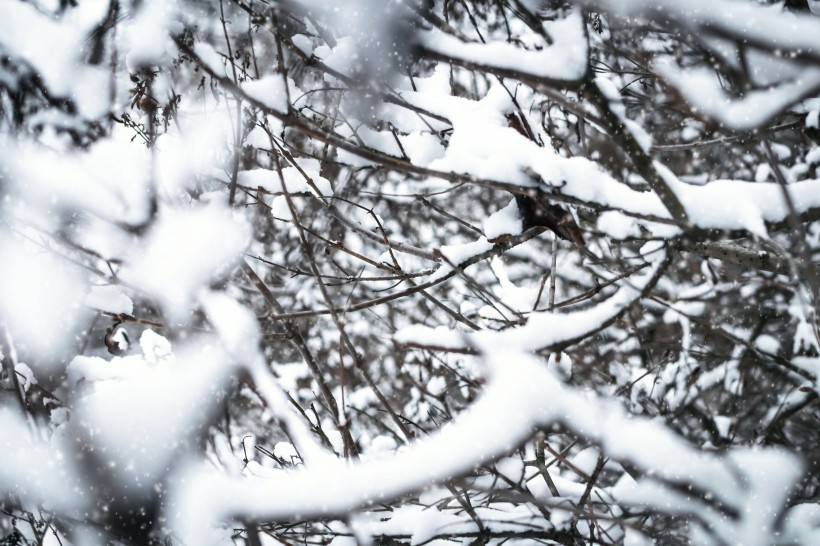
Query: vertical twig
(541, 464)
(238, 123)
(554, 259)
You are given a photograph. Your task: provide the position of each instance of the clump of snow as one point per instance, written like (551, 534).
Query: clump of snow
(57, 59)
(294, 179)
(45, 185)
(185, 250)
(198, 149)
(483, 145)
(723, 424)
(767, 344)
(511, 468)
(26, 375)
(652, 251)
(562, 363)
(613, 96)
(455, 255)
(343, 57)
(617, 225)
(209, 57)
(506, 221)
(156, 352)
(142, 420)
(564, 59)
(39, 300)
(269, 91)
(801, 525)
(431, 337)
(286, 452)
(109, 298)
(155, 348)
(235, 324)
(586, 460)
(303, 43)
(382, 444)
(813, 119)
(147, 37)
(35, 469)
(701, 88)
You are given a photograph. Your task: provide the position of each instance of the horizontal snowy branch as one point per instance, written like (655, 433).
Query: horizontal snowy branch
(562, 62)
(521, 395)
(543, 330)
(767, 27)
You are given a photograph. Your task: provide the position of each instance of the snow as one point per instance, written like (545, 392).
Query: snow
(196, 150)
(155, 348)
(33, 468)
(757, 23)
(586, 460)
(25, 375)
(767, 344)
(342, 58)
(813, 119)
(562, 363)
(725, 22)
(703, 90)
(440, 336)
(735, 204)
(57, 59)
(209, 57)
(110, 299)
(420, 522)
(269, 91)
(106, 224)
(186, 249)
(140, 421)
(45, 183)
(506, 221)
(484, 430)
(565, 59)
(542, 330)
(286, 451)
(156, 351)
(294, 180)
(237, 327)
(455, 255)
(39, 297)
(520, 394)
(801, 524)
(482, 145)
(617, 225)
(653, 251)
(147, 37)
(303, 43)
(613, 96)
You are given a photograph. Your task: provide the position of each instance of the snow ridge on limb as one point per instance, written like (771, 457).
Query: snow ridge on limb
(576, 179)
(521, 394)
(563, 62)
(780, 56)
(544, 330)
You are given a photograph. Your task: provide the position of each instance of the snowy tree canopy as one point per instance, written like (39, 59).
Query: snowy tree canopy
(409, 272)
